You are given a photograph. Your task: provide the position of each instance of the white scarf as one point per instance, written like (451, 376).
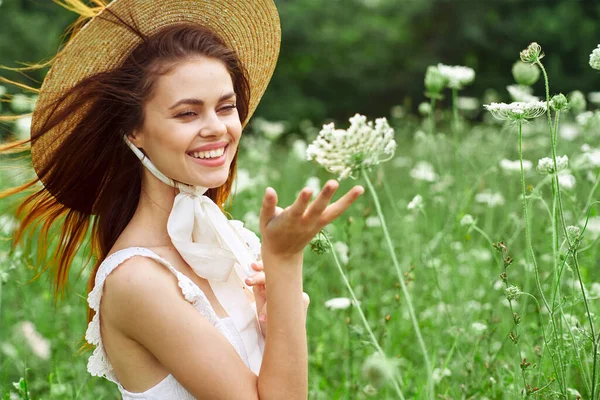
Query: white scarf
(214, 249)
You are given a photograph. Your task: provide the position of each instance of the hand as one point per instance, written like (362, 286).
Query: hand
(260, 295)
(285, 232)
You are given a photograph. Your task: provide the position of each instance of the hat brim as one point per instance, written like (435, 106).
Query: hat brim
(251, 28)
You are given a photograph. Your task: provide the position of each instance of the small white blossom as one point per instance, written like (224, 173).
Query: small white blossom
(595, 58)
(568, 131)
(515, 166)
(546, 165)
(372, 221)
(339, 303)
(346, 152)
(573, 232)
(491, 199)
(478, 327)
(516, 111)
(467, 103)
(467, 220)
(566, 181)
(457, 75)
(271, 130)
(341, 250)
(424, 171)
(512, 292)
(38, 344)
(299, 149)
(438, 374)
(23, 127)
(416, 202)
(522, 93)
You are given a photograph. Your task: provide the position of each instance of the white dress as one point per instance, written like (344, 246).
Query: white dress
(169, 388)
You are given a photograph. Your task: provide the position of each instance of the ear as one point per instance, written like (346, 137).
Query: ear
(136, 137)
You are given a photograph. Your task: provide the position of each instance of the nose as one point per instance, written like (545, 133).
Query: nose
(213, 126)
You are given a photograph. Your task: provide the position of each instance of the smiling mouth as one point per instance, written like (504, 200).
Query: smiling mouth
(210, 154)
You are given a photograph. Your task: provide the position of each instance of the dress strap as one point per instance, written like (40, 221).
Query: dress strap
(98, 364)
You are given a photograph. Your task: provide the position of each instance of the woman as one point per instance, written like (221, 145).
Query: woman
(182, 293)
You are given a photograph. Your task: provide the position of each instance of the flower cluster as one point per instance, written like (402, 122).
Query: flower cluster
(346, 152)
(416, 203)
(516, 111)
(532, 54)
(546, 165)
(512, 292)
(522, 93)
(457, 76)
(595, 58)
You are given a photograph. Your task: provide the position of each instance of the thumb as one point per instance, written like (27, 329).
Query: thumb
(269, 204)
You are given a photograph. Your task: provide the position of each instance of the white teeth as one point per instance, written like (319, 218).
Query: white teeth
(209, 154)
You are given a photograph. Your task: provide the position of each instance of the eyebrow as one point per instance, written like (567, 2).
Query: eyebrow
(199, 102)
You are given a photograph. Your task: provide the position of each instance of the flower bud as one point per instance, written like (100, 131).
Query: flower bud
(434, 82)
(573, 232)
(595, 58)
(532, 54)
(559, 102)
(424, 108)
(577, 102)
(512, 292)
(525, 74)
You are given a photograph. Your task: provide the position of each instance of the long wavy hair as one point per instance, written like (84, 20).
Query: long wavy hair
(99, 180)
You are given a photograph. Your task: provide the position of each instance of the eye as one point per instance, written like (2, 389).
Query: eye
(229, 107)
(186, 114)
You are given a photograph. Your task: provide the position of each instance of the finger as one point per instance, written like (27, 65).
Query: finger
(257, 266)
(317, 207)
(262, 316)
(267, 211)
(258, 279)
(339, 207)
(299, 206)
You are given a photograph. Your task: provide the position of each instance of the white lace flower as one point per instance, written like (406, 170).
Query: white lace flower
(467, 103)
(346, 152)
(438, 374)
(342, 250)
(566, 181)
(271, 130)
(594, 97)
(467, 220)
(491, 199)
(457, 75)
(532, 54)
(515, 166)
(339, 303)
(516, 111)
(522, 93)
(416, 202)
(595, 58)
(424, 171)
(546, 165)
(478, 327)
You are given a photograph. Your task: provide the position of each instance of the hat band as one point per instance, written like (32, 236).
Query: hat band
(195, 190)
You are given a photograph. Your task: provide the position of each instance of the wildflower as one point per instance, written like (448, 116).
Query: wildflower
(525, 74)
(491, 199)
(566, 181)
(341, 249)
(594, 97)
(21, 103)
(424, 171)
(457, 76)
(38, 344)
(577, 101)
(512, 292)
(546, 165)
(372, 221)
(595, 58)
(438, 374)
(573, 232)
(467, 220)
(319, 244)
(339, 303)
(424, 108)
(434, 82)
(522, 93)
(378, 369)
(346, 152)
(478, 327)
(532, 54)
(515, 166)
(569, 131)
(416, 202)
(299, 149)
(559, 102)
(516, 111)
(467, 103)
(271, 130)
(23, 127)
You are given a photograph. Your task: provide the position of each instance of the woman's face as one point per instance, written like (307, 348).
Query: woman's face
(192, 107)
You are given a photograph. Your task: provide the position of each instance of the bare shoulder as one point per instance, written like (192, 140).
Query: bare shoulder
(147, 305)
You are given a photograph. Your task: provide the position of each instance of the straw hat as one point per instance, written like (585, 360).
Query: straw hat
(250, 27)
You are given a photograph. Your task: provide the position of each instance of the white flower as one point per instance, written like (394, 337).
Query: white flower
(346, 152)
(21, 103)
(467, 103)
(566, 181)
(568, 131)
(515, 166)
(38, 344)
(574, 393)
(339, 303)
(416, 202)
(546, 164)
(478, 327)
(457, 75)
(341, 249)
(595, 58)
(512, 292)
(372, 221)
(491, 199)
(438, 374)
(314, 184)
(23, 127)
(424, 171)
(467, 220)
(522, 93)
(271, 130)
(299, 149)
(516, 111)
(594, 97)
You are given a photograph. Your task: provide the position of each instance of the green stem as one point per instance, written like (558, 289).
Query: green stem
(360, 312)
(432, 116)
(402, 284)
